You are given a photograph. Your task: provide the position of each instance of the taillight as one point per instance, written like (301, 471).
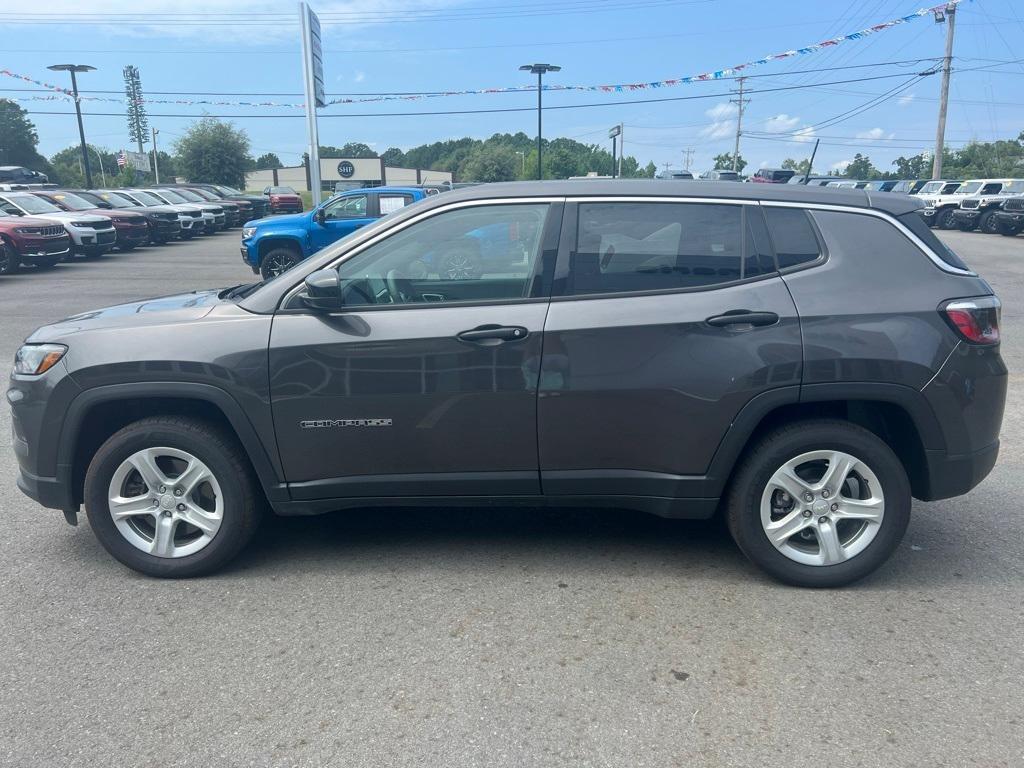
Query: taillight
(976, 320)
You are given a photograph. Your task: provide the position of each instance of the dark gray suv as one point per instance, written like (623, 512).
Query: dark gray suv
(803, 361)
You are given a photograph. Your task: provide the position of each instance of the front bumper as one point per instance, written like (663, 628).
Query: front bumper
(1010, 220)
(928, 214)
(97, 241)
(249, 257)
(966, 218)
(132, 234)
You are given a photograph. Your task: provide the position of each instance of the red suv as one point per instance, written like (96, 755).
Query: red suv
(772, 176)
(283, 199)
(132, 229)
(36, 242)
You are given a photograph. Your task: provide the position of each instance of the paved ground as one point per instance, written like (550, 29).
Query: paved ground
(499, 638)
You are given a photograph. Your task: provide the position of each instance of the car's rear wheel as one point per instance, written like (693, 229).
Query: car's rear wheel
(944, 219)
(9, 262)
(988, 223)
(277, 260)
(172, 497)
(819, 503)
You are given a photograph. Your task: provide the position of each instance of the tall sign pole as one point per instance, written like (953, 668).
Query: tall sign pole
(940, 131)
(156, 166)
(739, 125)
(313, 79)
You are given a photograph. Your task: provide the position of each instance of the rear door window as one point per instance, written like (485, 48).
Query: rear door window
(392, 203)
(793, 236)
(626, 247)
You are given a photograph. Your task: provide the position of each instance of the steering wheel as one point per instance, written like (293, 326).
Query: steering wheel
(394, 283)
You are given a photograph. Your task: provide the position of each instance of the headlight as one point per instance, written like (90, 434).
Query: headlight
(27, 230)
(34, 359)
(248, 232)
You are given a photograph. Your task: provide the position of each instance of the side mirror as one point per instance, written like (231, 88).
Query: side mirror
(320, 216)
(323, 290)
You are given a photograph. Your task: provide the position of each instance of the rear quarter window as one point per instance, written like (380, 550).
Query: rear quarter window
(793, 236)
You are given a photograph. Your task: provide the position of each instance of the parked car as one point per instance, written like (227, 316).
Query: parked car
(719, 175)
(675, 175)
(271, 246)
(214, 217)
(772, 176)
(645, 354)
(1010, 218)
(16, 174)
(26, 241)
(978, 211)
(260, 206)
(91, 235)
(283, 199)
(130, 228)
(916, 185)
(162, 221)
(230, 211)
(811, 181)
(882, 185)
(244, 209)
(939, 198)
(191, 221)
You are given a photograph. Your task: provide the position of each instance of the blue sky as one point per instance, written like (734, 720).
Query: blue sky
(401, 45)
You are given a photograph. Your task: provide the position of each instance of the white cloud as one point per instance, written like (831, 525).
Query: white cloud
(782, 123)
(874, 134)
(723, 121)
(359, 77)
(840, 166)
(805, 134)
(905, 100)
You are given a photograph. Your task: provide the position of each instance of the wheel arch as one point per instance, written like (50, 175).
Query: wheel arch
(96, 414)
(290, 241)
(897, 414)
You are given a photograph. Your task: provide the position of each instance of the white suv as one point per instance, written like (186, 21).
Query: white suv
(91, 235)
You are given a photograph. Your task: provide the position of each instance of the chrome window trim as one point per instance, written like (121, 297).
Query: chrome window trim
(932, 256)
(360, 247)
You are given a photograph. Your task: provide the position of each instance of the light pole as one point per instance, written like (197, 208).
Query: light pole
(73, 68)
(522, 157)
(539, 70)
(103, 174)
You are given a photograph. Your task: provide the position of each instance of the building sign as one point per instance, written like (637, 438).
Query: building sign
(346, 170)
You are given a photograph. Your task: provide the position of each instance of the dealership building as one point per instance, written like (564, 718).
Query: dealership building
(338, 174)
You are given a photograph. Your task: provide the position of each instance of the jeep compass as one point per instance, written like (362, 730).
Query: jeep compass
(801, 361)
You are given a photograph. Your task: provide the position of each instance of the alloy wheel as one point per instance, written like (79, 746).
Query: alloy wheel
(166, 502)
(822, 507)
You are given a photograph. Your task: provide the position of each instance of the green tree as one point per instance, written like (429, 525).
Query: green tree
(723, 162)
(393, 157)
(18, 139)
(354, 149)
(802, 167)
(914, 167)
(496, 164)
(214, 152)
(68, 165)
(861, 168)
(168, 165)
(268, 162)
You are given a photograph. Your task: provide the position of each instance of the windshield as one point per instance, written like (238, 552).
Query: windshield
(969, 188)
(147, 199)
(203, 194)
(33, 204)
(226, 190)
(171, 197)
(191, 197)
(282, 191)
(117, 201)
(932, 187)
(74, 202)
(1014, 187)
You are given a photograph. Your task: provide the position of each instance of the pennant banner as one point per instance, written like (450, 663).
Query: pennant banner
(718, 74)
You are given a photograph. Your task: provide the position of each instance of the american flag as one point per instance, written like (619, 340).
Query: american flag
(122, 159)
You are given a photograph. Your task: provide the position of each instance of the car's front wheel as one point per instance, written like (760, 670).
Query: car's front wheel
(819, 503)
(9, 261)
(278, 260)
(988, 223)
(172, 497)
(944, 219)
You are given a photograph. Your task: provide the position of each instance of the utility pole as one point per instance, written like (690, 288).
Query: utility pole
(73, 69)
(940, 132)
(739, 124)
(156, 167)
(622, 149)
(687, 157)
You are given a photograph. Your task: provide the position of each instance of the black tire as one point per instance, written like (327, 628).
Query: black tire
(220, 451)
(988, 223)
(743, 510)
(278, 260)
(461, 263)
(9, 261)
(944, 219)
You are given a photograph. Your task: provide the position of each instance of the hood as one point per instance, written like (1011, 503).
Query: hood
(11, 222)
(291, 219)
(120, 213)
(78, 218)
(157, 311)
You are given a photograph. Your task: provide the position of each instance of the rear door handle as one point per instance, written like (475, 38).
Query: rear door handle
(743, 317)
(494, 334)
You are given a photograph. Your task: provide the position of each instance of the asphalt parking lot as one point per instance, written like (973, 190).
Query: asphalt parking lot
(506, 637)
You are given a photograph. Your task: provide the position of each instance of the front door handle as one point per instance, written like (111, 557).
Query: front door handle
(743, 317)
(489, 335)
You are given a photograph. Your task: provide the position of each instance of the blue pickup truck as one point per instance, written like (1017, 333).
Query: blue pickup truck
(274, 244)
